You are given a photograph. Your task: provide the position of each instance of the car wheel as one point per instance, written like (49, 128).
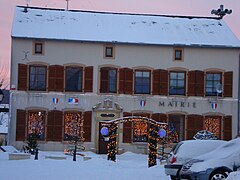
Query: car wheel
(174, 178)
(218, 175)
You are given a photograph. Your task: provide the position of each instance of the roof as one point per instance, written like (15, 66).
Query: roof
(56, 24)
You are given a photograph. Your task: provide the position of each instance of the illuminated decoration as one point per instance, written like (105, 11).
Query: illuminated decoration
(162, 133)
(143, 122)
(73, 126)
(140, 132)
(212, 124)
(36, 123)
(104, 131)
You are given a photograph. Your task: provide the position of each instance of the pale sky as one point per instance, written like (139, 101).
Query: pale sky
(169, 7)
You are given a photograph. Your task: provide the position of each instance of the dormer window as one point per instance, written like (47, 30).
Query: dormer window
(38, 48)
(109, 51)
(178, 54)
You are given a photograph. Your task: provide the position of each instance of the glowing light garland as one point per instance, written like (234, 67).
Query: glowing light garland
(213, 125)
(36, 123)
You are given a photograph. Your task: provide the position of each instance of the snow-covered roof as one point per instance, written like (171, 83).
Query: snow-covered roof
(88, 26)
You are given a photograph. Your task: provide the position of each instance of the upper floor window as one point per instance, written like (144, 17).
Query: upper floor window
(178, 54)
(74, 79)
(108, 80)
(37, 77)
(109, 51)
(212, 81)
(177, 83)
(38, 48)
(142, 82)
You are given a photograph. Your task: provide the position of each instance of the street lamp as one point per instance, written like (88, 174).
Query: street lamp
(1, 96)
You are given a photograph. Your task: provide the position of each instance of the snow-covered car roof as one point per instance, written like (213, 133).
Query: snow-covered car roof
(89, 26)
(192, 148)
(227, 155)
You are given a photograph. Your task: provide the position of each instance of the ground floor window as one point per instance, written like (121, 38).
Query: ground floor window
(36, 123)
(176, 124)
(140, 131)
(213, 124)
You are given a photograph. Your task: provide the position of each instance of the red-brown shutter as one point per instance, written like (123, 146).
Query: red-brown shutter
(55, 78)
(125, 81)
(87, 126)
(21, 125)
(127, 129)
(22, 77)
(104, 80)
(163, 82)
(227, 128)
(59, 78)
(156, 82)
(228, 81)
(196, 83)
(88, 83)
(194, 124)
(54, 125)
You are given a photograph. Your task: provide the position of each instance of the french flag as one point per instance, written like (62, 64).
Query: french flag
(55, 100)
(214, 105)
(72, 100)
(142, 103)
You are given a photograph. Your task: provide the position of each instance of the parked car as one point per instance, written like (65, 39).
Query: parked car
(186, 150)
(216, 164)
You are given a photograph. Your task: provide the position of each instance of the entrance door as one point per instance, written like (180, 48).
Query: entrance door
(102, 144)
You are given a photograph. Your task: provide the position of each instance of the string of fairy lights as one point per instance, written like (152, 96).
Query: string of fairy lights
(212, 124)
(36, 123)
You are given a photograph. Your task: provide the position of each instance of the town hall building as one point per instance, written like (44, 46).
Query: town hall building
(90, 67)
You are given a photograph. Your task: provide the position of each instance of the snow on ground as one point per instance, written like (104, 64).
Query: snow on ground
(128, 166)
(234, 176)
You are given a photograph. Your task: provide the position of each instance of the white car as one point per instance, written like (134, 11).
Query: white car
(186, 150)
(215, 165)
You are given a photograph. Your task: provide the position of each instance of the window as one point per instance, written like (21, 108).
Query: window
(109, 51)
(177, 83)
(140, 131)
(38, 48)
(37, 78)
(74, 79)
(36, 123)
(212, 81)
(108, 80)
(178, 54)
(73, 126)
(142, 82)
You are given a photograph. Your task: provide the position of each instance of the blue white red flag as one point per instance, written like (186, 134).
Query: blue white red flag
(55, 100)
(72, 100)
(214, 105)
(142, 103)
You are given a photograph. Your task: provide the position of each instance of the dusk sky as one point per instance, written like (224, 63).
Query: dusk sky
(169, 7)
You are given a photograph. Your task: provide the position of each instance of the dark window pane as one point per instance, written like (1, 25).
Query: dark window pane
(73, 79)
(37, 78)
(142, 82)
(212, 80)
(178, 54)
(38, 48)
(113, 80)
(177, 83)
(109, 51)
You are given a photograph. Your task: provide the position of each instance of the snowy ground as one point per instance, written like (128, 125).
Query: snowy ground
(128, 166)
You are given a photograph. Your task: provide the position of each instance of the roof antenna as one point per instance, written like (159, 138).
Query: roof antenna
(25, 8)
(221, 12)
(67, 3)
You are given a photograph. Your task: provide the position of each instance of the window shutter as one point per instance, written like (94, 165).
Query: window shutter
(55, 78)
(54, 125)
(88, 83)
(87, 125)
(127, 129)
(59, 78)
(22, 77)
(227, 128)
(21, 125)
(194, 124)
(195, 83)
(125, 81)
(228, 78)
(156, 82)
(163, 82)
(51, 78)
(104, 80)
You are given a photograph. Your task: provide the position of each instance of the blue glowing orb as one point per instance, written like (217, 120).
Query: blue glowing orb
(162, 133)
(104, 131)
